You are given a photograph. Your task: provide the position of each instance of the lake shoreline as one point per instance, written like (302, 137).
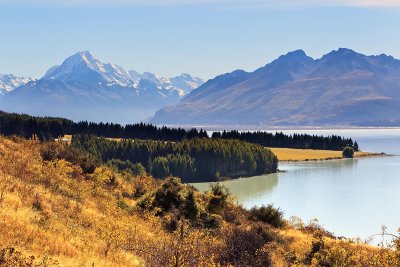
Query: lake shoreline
(305, 155)
(372, 155)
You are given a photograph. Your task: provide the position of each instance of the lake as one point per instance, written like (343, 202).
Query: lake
(350, 197)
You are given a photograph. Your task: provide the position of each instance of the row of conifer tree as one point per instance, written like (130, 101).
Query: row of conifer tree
(194, 160)
(46, 128)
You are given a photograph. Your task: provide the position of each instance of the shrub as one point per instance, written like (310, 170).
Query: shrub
(140, 190)
(138, 169)
(267, 214)
(210, 220)
(191, 209)
(52, 151)
(168, 195)
(218, 198)
(244, 246)
(171, 221)
(348, 152)
(88, 163)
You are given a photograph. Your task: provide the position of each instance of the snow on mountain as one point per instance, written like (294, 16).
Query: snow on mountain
(135, 77)
(84, 88)
(9, 82)
(182, 84)
(84, 67)
(186, 82)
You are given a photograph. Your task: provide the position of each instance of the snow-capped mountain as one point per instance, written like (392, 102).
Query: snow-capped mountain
(9, 82)
(186, 82)
(183, 83)
(84, 88)
(84, 67)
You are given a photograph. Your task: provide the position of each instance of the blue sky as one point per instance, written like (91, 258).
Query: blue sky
(204, 38)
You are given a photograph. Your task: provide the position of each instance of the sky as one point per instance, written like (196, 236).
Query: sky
(202, 37)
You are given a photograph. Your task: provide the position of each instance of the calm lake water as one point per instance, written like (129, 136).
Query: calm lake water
(352, 197)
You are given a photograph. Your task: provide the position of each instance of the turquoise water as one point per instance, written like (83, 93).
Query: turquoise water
(352, 197)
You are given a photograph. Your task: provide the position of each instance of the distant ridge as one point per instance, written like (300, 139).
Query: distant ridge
(341, 88)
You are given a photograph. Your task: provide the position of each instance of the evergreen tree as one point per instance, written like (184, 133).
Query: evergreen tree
(160, 167)
(348, 152)
(191, 209)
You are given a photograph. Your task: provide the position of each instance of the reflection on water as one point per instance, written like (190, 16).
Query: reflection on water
(351, 197)
(254, 190)
(244, 189)
(332, 166)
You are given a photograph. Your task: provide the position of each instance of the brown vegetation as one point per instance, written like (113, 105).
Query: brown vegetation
(293, 154)
(52, 213)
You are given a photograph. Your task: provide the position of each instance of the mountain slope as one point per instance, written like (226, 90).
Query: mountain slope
(341, 88)
(9, 82)
(84, 88)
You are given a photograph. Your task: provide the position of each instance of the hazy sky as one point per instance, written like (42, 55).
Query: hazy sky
(202, 37)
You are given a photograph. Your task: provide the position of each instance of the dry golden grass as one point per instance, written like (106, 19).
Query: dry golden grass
(292, 154)
(49, 209)
(63, 217)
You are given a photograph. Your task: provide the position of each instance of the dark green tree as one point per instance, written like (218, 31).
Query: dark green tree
(191, 209)
(160, 167)
(218, 198)
(348, 152)
(138, 169)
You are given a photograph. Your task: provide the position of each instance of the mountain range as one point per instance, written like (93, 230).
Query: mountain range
(84, 88)
(341, 88)
(9, 82)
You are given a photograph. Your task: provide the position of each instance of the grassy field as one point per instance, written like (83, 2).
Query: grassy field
(291, 154)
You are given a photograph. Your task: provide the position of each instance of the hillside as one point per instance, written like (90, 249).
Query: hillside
(84, 88)
(341, 88)
(54, 213)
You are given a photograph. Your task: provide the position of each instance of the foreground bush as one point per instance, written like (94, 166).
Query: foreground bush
(267, 214)
(53, 150)
(248, 246)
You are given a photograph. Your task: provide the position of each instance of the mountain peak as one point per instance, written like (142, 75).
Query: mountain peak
(186, 75)
(342, 52)
(86, 53)
(85, 57)
(296, 55)
(86, 68)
